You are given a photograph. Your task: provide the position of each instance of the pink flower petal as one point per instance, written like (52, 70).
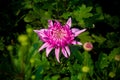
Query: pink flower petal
(43, 46)
(37, 31)
(48, 50)
(76, 42)
(50, 23)
(79, 43)
(74, 30)
(69, 22)
(64, 52)
(68, 50)
(57, 51)
(41, 32)
(57, 23)
(77, 31)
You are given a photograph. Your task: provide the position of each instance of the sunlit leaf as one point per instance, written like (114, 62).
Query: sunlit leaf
(103, 61)
(85, 37)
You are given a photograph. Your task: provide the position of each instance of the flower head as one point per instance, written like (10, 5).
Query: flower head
(58, 37)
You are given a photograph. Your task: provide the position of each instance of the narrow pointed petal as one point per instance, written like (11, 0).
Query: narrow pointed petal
(77, 31)
(68, 50)
(64, 52)
(48, 50)
(37, 31)
(69, 22)
(50, 23)
(57, 51)
(43, 46)
(76, 43)
(74, 30)
(41, 32)
(79, 43)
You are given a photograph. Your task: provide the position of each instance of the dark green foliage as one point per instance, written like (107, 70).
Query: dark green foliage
(19, 56)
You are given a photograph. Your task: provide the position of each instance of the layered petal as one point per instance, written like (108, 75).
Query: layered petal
(74, 30)
(68, 50)
(50, 23)
(76, 43)
(69, 22)
(57, 51)
(48, 50)
(77, 31)
(44, 46)
(64, 52)
(57, 24)
(37, 31)
(41, 33)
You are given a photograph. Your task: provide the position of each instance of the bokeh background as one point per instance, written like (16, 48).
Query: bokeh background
(19, 56)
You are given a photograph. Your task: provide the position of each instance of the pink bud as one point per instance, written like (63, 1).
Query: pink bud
(88, 46)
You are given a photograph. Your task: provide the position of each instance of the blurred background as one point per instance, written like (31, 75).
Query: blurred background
(19, 56)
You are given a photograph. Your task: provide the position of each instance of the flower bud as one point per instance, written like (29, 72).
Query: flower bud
(10, 48)
(117, 57)
(112, 74)
(88, 46)
(29, 30)
(33, 77)
(85, 69)
(23, 40)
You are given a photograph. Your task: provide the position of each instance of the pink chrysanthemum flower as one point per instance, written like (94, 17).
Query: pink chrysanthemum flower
(58, 37)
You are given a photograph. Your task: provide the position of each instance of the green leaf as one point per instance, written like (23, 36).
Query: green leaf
(66, 78)
(37, 74)
(99, 13)
(27, 4)
(74, 77)
(98, 39)
(83, 12)
(36, 1)
(66, 15)
(16, 64)
(87, 61)
(27, 19)
(114, 52)
(80, 76)
(55, 77)
(86, 58)
(76, 53)
(81, 22)
(30, 17)
(103, 61)
(84, 37)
